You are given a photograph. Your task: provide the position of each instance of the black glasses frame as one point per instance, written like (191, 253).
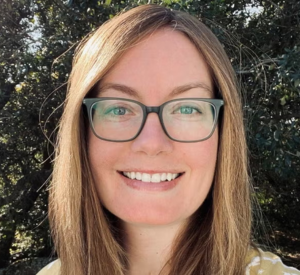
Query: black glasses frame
(89, 102)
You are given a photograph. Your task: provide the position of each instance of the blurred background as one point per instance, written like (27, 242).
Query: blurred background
(37, 42)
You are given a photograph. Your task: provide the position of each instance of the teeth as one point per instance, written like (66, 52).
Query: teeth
(155, 178)
(146, 177)
(150, 177)
(132, 175)
(138, 175)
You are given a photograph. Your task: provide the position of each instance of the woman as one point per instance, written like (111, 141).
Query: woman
(151, 170)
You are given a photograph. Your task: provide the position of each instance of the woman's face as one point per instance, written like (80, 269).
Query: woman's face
(149, 73)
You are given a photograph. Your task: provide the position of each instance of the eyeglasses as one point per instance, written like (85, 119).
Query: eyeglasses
(183, 120)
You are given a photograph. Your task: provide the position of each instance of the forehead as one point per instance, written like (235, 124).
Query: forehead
(162, 61)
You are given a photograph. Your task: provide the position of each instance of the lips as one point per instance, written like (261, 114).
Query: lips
(156, 177)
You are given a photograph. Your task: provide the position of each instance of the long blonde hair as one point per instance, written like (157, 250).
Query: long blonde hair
(86, 237)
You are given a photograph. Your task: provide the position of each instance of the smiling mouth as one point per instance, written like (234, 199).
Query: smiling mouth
(157, 177)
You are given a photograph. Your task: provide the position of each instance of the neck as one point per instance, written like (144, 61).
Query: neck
(149, 247)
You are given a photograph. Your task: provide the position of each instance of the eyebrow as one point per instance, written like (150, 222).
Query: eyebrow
(118, 87)
(176, 91)
(181, 89)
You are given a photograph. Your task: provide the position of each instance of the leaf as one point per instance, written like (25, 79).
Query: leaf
(282, 101)
(271, 67)
(18, 88)
(276, 135)
(55, 75)
(107, 2)
(297, 83)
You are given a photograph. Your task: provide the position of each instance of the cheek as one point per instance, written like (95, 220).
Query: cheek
(102, 154)
(201, 159)
(102, 157)
(202, 154)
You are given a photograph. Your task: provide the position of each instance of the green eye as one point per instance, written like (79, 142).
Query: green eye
(118, 111)
(187, 110)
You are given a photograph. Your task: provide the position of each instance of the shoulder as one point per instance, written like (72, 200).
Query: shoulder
(266, 263)
(51, 269)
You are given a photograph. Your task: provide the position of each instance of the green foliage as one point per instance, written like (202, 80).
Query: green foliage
(274, 138)
(37, 42)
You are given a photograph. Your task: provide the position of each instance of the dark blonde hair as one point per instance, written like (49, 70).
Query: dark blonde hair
(87, 239)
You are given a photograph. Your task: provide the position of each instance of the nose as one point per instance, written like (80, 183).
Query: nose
(152, 140)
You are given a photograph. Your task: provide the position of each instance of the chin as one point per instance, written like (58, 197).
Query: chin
(140, 217)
